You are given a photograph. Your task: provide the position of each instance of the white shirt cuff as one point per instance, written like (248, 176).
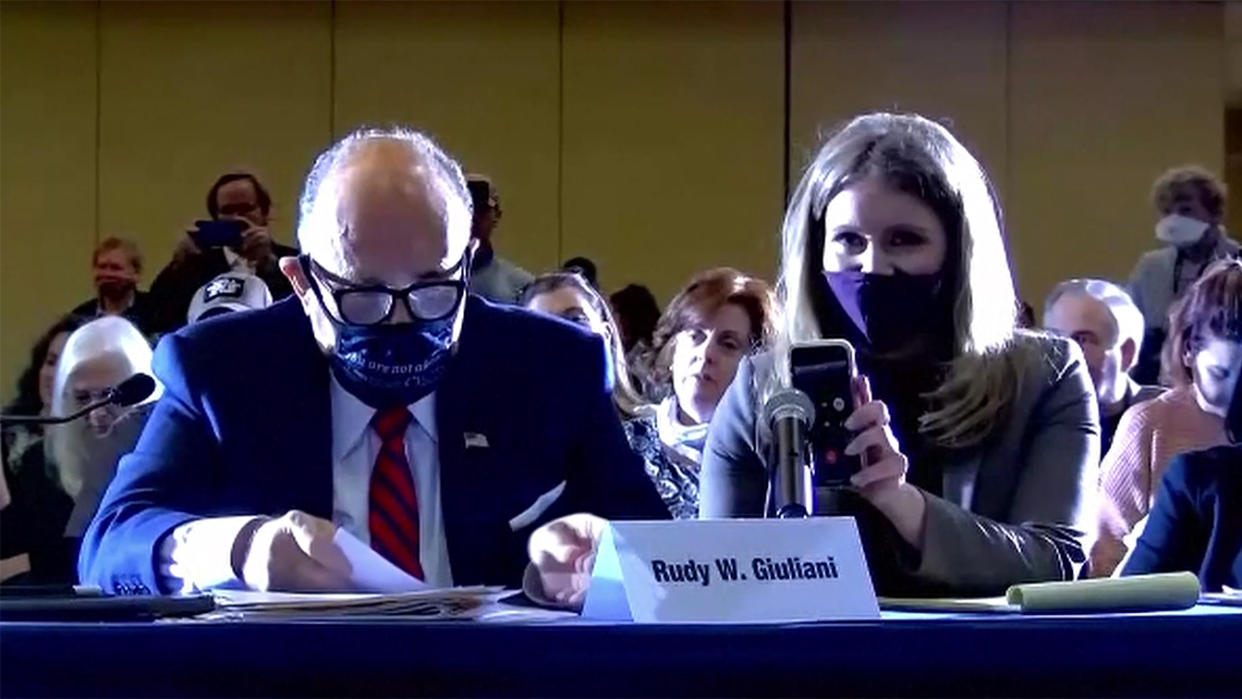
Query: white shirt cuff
(198, 555)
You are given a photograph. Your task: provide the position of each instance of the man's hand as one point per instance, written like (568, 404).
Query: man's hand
(256, 245)
(296, 553)
(563, 552)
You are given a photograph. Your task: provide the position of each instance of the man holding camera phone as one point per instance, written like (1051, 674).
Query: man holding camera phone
(234, 238)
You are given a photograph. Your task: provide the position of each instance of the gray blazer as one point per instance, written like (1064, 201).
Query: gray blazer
(1151, 282)
(1017, 508)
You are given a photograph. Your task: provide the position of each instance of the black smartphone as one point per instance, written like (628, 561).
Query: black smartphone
(825, 371)
(225, 232)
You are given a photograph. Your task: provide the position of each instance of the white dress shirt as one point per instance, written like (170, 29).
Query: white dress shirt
(237, 263)
(355, 446)
(198, 555)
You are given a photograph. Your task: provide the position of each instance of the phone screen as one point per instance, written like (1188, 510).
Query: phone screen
(218, 233)
(825, 370)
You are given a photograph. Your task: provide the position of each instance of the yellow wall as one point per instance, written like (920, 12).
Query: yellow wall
(47, 171)
(673, 140)
(1104, 97)
(481, 78)
(649, 136)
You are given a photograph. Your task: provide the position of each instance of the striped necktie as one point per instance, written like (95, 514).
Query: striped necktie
(393, 516)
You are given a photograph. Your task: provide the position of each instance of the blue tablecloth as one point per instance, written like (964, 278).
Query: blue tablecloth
(1196, 652)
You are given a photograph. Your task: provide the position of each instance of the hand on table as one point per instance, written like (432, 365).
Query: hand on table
(563, 553)
(295, 553)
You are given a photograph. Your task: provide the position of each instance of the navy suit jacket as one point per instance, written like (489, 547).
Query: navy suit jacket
(244, 427)
(1196, 523)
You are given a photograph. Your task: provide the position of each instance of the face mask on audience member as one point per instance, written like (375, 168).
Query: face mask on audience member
(883, 254)
(1181, 231)
(115, 276)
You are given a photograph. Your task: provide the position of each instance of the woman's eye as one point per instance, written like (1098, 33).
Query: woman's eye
(903, 239)
(851, 241)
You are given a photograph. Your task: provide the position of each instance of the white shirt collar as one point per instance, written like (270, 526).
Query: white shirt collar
(238, 263)
(351, 418)
(688, 440)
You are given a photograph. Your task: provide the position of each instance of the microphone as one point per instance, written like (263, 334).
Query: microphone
(133, 390)
(789, 414)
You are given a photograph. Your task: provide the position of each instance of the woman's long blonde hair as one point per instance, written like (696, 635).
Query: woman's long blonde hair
(112, 339)
(921, 158)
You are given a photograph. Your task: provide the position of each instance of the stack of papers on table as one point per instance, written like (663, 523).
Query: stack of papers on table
(1140, 593)
(426, 604)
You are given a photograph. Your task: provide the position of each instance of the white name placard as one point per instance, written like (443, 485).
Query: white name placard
(737, 570)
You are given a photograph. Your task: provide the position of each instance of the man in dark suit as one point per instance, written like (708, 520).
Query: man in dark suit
(197, 260)
(380, 400)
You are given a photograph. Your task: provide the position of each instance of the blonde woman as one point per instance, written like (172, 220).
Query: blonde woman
(980, 442)
(97, 356)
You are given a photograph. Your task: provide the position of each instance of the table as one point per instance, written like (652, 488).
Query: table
(1195, 652)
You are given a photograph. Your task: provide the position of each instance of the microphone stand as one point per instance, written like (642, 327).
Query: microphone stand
(6, 420)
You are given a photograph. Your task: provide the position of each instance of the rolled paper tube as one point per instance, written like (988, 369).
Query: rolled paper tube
(1134, 593)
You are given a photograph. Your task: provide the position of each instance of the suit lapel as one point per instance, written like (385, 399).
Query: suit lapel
(460, 496)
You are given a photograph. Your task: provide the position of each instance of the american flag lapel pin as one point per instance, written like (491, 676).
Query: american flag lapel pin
(474, 440)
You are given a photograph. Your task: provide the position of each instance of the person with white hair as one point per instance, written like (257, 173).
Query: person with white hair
(380, 402)
(96, 357)
(1103, 320)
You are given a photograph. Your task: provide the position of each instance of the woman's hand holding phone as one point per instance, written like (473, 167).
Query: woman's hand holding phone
(882, 479)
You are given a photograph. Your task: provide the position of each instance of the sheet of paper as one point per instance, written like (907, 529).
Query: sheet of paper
(372, 572)
(991, 605)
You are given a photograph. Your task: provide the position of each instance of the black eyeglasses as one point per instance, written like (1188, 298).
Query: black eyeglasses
(374, 304)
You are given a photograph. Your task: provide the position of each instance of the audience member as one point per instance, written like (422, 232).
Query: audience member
(570, 297)
(481, 422)
(33, 524)
(229, 292)
(719, 318)
(1196, 523)
(1202, 359)
(1107, 326)
(97, 357)
(491, 276)
(584, 268)
(199, 258)
(637, 314)
(118, 265)
(1191, 202)
(980, 442)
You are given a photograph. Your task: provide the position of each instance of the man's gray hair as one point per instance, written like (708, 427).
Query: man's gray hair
(1127, 319)
(446, 176)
